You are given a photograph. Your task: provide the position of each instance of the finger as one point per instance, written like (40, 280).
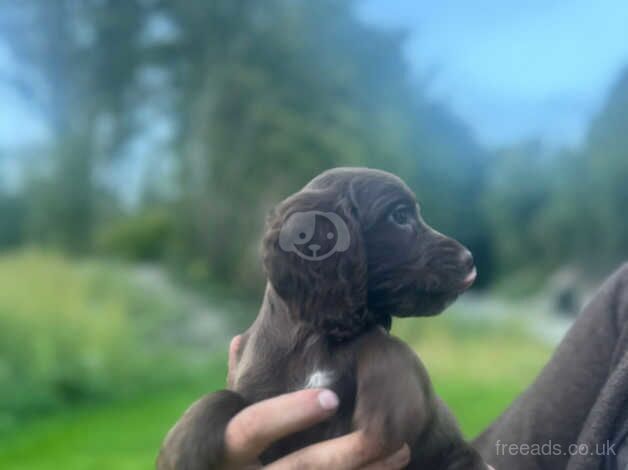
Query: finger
(348, 452)
(259, 425)
(234, 346)
(395, 461)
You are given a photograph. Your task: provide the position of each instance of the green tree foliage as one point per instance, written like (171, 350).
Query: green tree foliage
(517, 193)
(257, 98)
(285, 90)
(12, 225)
(75, 64)
(605, 161)
(548, 209)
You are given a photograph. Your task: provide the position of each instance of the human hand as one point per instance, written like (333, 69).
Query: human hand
(258, 426)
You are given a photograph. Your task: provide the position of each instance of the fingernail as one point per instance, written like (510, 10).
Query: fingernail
(328, 400)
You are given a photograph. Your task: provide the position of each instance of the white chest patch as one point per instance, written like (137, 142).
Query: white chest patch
(319, 379)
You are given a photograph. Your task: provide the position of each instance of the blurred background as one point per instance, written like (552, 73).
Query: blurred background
(143, 142)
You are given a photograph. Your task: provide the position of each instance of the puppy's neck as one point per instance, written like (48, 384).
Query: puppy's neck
(275, 310)
(289, 322)
(276, 319)
(278, 332)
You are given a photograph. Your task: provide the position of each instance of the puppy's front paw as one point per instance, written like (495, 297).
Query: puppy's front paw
(196, 442)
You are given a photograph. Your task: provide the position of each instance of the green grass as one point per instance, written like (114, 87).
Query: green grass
(118, 436)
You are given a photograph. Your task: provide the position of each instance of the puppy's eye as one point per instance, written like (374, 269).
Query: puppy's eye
(402, 215)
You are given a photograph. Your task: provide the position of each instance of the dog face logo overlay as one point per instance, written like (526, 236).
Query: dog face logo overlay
(314, 235)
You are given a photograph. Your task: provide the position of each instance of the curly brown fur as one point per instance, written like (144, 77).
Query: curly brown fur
(342, 256)
(328, 295)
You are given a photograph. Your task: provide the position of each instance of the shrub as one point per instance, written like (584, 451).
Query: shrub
(143, 237)
(75, 331)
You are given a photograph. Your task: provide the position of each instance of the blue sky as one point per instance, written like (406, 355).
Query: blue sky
(514, 69)
(511, 69)
(18, 123)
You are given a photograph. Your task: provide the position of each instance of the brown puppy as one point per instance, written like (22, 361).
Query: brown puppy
(342, 256)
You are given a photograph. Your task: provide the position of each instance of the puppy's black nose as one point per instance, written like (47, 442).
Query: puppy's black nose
(466, 259)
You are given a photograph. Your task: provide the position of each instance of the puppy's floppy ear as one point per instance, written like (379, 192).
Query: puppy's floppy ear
(326, 289)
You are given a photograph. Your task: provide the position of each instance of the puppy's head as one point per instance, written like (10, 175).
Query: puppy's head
(351, 249)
